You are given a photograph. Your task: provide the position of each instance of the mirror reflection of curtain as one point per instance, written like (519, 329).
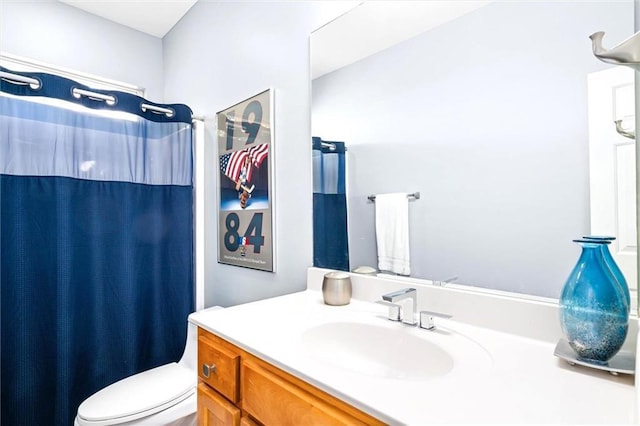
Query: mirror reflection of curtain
(330, 246)
(97, 245)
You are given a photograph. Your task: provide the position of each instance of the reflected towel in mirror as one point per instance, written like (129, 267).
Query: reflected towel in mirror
(392, 232)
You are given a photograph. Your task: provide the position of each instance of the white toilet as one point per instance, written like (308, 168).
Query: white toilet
(164, 395)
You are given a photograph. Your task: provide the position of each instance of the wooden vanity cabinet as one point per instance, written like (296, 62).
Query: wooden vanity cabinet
(237, 388)
(214, 409)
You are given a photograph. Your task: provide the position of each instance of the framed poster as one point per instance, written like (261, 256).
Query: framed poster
(245, 191)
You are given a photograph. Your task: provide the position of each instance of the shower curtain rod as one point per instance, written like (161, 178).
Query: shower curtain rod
(77, 93)
(35, 84)
(20, 79)
(331, 146)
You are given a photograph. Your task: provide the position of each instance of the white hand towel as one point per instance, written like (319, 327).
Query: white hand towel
(392, 232)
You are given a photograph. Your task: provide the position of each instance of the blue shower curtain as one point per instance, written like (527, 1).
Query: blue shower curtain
(330, 241)
(96, 244)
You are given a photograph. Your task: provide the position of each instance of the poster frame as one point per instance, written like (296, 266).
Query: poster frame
(234, 129)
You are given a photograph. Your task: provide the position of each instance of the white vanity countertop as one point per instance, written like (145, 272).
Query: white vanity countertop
(523, 383)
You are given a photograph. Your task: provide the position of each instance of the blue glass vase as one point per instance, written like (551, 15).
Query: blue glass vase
(594, 311)
(611, 263)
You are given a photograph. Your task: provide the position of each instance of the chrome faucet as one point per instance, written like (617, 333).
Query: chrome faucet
(445, 281)
(406, 314)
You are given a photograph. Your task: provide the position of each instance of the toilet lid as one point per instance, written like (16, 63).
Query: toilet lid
(140, 395)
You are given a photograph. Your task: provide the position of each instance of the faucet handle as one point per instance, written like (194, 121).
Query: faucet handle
(394, 309)
(426, 319)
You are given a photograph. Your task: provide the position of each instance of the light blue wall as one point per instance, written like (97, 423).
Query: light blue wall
(57, 34)
(421, 116)
(221, 53)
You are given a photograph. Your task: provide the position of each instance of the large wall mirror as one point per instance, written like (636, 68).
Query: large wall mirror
(488, 113)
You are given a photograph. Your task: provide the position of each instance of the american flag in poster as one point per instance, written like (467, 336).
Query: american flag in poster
(231, 164)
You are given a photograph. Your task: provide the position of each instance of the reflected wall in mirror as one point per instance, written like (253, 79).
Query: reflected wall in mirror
(486, 115)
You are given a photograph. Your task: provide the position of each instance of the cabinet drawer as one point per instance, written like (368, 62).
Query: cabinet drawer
(214, 410)
(272, 398)
(218, 365)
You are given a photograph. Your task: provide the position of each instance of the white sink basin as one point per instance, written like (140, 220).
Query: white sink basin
(393, 350)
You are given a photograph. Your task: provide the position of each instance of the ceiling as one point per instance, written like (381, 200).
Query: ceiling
(379, 24)
(154, 17)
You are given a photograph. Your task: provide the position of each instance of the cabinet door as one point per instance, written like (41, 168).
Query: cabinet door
(274, 398)
(247, 421)
(214, 409)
